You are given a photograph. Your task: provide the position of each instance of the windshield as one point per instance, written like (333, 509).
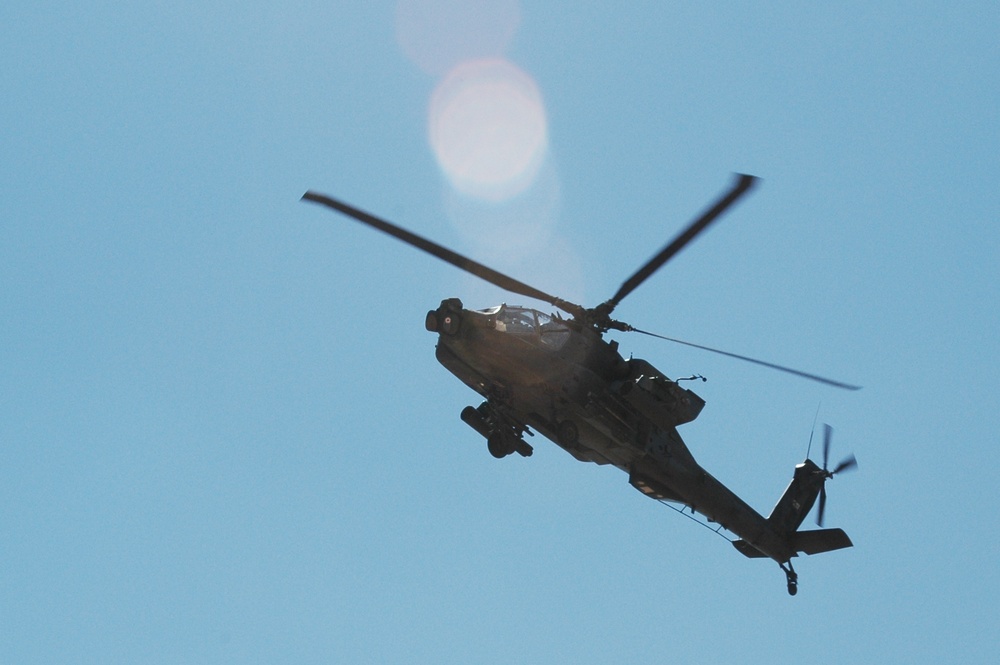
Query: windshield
(536, 327)
(553, 332)
(516, 320)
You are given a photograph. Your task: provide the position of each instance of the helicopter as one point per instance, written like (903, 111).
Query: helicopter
(558, 376)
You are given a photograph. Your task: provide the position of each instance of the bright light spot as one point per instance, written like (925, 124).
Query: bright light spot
(488, 129)
(438, 34)
(514, 228)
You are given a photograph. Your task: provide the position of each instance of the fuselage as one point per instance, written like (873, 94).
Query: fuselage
(562, 379)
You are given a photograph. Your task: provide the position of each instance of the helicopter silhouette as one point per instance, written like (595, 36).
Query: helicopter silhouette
(558, 376)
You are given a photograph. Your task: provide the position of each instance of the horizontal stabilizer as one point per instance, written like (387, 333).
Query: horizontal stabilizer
(807, 542)
(820, 540)
(748, 550)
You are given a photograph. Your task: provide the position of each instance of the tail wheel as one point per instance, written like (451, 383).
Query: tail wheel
(791, 577)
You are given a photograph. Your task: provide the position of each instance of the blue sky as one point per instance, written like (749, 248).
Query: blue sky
(223, 433)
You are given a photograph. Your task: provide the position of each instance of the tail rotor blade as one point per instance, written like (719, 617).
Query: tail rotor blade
(827, 435)
(822, 505)
(849, 462)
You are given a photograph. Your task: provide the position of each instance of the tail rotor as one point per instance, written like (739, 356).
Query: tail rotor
(847, 464)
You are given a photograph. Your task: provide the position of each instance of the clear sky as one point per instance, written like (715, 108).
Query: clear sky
(224, 437)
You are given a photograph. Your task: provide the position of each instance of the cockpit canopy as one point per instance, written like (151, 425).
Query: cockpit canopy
(529, 324)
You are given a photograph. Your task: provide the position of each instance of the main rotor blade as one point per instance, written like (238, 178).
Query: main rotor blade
(780, 368)
(443, 253)
(743, 183)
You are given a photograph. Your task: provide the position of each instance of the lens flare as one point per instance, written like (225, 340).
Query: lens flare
(436, 35)
(488, 129)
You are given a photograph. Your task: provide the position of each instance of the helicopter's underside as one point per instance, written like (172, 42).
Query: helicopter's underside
(629, 422)
(517, 405)
(628, 429)
(651, 452)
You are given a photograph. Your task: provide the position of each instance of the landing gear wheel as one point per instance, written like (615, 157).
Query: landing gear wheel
(792, 577)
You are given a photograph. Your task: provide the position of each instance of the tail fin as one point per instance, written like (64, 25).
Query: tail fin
(791, 510)
(798, 499)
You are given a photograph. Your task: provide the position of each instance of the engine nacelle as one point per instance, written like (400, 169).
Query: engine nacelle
(658, 398)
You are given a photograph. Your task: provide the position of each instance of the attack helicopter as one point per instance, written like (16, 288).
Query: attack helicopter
(556, 375)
